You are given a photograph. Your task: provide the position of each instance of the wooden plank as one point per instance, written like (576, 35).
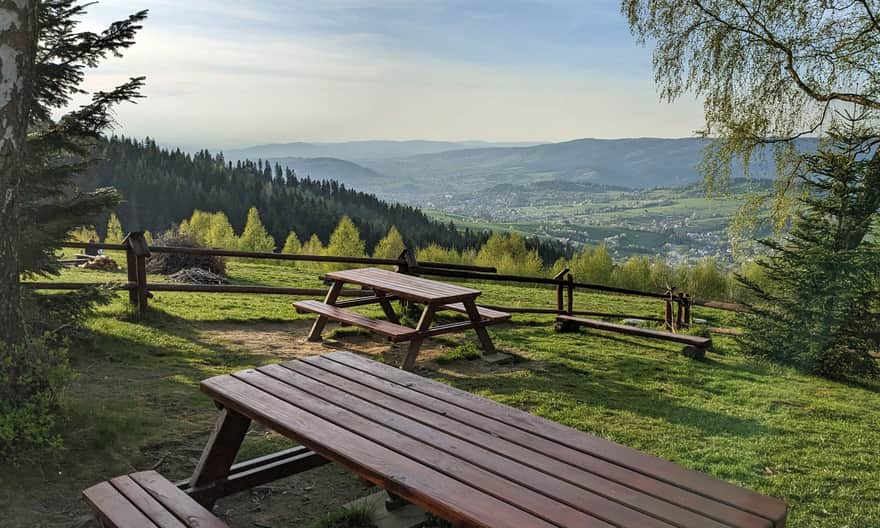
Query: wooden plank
(405, 286)
(146, 503)
(479, 327)
(247, 288)
(220, 452)
(113, 509)
(421, 485)
(176, 501)
(321, 321)
(409, 361)
(558, 459)
(485, 313)
(696, 341)
(273, 256)
(558, 481)
(413, 446)
(393, 331)
(770, 508)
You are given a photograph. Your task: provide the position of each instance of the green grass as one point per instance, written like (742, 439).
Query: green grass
(810, 441)
(345, 518)
(465, 351)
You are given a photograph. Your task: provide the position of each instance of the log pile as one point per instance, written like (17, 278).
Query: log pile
(100, 262)
(197, 276)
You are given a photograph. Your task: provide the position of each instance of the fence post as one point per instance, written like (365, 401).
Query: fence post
(560, 303)
(686, 305)
(570, 294)
(136, 253)
(679, 314)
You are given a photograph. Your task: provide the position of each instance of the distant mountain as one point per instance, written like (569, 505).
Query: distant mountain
(349, 173)
(634, 163)
(357, 150)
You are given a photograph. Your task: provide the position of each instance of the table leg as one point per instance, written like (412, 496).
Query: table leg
(321, 321)
(218, 456)
(474, 315)
(387, 308)
(416, 343)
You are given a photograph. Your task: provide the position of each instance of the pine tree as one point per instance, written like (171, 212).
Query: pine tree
(254, 237)
(391, 246)
(42, 204)
(816, 304)
(114, 230)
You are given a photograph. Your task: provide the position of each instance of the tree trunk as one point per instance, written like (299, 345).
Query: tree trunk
(18, 43)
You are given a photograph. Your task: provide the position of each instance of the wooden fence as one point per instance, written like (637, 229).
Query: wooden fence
(676, 312)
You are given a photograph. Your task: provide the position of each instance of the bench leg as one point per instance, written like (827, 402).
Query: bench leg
(321, 321)
(479, 327)
(416, 344)
(390, 314)
(218, 456)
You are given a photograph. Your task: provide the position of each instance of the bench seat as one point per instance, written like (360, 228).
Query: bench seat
(694, 341)
(147, 500)
(487, 314)
(392, 331)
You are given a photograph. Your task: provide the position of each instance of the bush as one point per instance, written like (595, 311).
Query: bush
(32, 376)
(168, 263)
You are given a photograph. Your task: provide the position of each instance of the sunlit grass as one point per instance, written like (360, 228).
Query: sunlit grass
(810, 441)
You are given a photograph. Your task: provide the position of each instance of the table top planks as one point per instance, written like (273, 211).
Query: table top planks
(475, 461)
(405, 286)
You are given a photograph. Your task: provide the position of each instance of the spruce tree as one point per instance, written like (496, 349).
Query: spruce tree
(254, 237)
(42, 204)
(816, 301)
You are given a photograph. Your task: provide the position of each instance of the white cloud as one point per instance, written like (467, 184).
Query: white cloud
(210, 90)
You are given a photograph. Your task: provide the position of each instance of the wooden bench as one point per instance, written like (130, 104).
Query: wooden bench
(487, 314)
(392, 331)
(695, 345)
(147, 500)
(466, 459)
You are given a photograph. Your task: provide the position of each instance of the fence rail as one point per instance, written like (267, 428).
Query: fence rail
(676, 315)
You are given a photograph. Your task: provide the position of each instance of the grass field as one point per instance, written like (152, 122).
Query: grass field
(135, 403)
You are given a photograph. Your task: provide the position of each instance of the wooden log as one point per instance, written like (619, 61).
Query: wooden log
(244, 288)
(732, 307)
(273, 256)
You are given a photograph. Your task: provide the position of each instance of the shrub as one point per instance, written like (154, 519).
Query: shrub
(32, 376)
(168, 263)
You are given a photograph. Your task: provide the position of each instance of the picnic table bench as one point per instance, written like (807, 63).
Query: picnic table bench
(464, 458)
(388, 286)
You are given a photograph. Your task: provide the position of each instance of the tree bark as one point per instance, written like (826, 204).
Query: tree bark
(18, 44)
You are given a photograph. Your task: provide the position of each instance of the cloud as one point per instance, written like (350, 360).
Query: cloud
(212, 82)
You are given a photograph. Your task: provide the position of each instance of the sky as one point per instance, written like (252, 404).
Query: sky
(235, 73)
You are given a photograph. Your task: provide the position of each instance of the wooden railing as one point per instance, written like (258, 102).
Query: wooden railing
(676, 313)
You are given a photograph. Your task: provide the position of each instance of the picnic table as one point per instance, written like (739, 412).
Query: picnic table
(388, 286)
(469, 460)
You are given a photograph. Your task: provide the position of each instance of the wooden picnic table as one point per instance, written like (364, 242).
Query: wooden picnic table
(387, 286)
(467, 459)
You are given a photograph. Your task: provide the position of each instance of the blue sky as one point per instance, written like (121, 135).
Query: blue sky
(224, 73)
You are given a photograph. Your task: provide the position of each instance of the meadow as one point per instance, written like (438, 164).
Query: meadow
(135, 403)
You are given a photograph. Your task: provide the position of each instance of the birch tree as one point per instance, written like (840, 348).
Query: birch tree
(18, 44)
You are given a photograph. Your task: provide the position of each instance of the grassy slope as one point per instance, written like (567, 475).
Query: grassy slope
(810, 441)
